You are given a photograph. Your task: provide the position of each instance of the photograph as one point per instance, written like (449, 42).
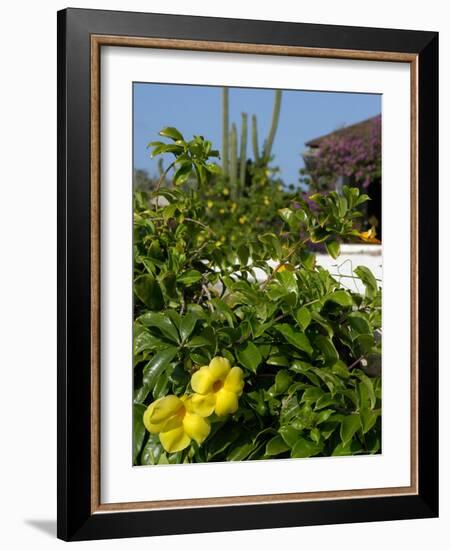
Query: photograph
(247, 323)
(257, 274)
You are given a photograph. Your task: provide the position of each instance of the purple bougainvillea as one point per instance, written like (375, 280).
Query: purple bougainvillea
(357, 157)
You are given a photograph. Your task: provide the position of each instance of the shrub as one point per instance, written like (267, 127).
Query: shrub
(297, 340)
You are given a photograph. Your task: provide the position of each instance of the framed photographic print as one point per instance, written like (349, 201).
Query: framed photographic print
(247, 274)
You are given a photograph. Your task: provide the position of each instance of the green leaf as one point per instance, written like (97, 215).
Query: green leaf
(152, 451)
(312, 394)
(303, 317)
(365, 342)
(241, 449)
(341, 297)
(287, 215)
(189, 277)
(276, 446)
(288, 281)
(289, 434)
(138, 429)
(352, 447)
(308, 259)
(300, 366)
(326, 400)
(342, 206)
(272, 244)
(172, 148)
(368, 419)
(213, 168)
(162, 322)
(368, 280)
(326, 347)
(350, 425)
(282, 382)
(304, 448)
(182, 174)
(333, 249)
(323, 323)
(297, 339)
(146, 341)
(250, 357)
(224, 310)
(156, 366)
(367, 382)
(359, 323)
(187, 325)
(278, 360)
(257, 402)
(340, 369)
(174, 316)
(161, 385)
(222, 439)
(148, 291)
(171, 133)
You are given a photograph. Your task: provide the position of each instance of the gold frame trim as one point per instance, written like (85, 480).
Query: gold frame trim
(97, 41)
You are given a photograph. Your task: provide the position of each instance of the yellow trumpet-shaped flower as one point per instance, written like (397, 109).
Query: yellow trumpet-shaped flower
(369, 236)
(217, 387)
(177, 421)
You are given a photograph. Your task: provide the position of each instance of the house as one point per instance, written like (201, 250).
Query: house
(350, 155)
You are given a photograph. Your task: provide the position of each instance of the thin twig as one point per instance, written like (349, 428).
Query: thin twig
(283, 262)
(355, 363)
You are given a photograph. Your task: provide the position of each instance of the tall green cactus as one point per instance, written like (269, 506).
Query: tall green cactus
(273, 128)
(233, 155)
(243, 151)
(230, 159)
(225, 130)
(255, 138)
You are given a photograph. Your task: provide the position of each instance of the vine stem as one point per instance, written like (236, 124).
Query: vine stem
(161, 179)
(283, 262)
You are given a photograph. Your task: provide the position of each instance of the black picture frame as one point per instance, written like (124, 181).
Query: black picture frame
(76, 521)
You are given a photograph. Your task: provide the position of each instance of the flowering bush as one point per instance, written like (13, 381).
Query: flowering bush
(351, 156)
(229, 366)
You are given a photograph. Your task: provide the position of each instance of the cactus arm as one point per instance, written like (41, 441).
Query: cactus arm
(225, 131)
(273, 128)
(243, 152)
(255, 138)
(233, 154)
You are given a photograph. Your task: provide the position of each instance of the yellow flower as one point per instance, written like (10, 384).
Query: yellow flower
(217, 387)
(233, 206)
(242, 220)
(177, 421)
(222, 210)
(225, 191)
(369, 236)
(266, 200)
(285, 267)
(209, 204)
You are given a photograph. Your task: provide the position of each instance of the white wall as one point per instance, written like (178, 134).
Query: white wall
(28, 271)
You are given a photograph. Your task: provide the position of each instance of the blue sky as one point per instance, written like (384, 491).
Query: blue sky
(197, 110)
